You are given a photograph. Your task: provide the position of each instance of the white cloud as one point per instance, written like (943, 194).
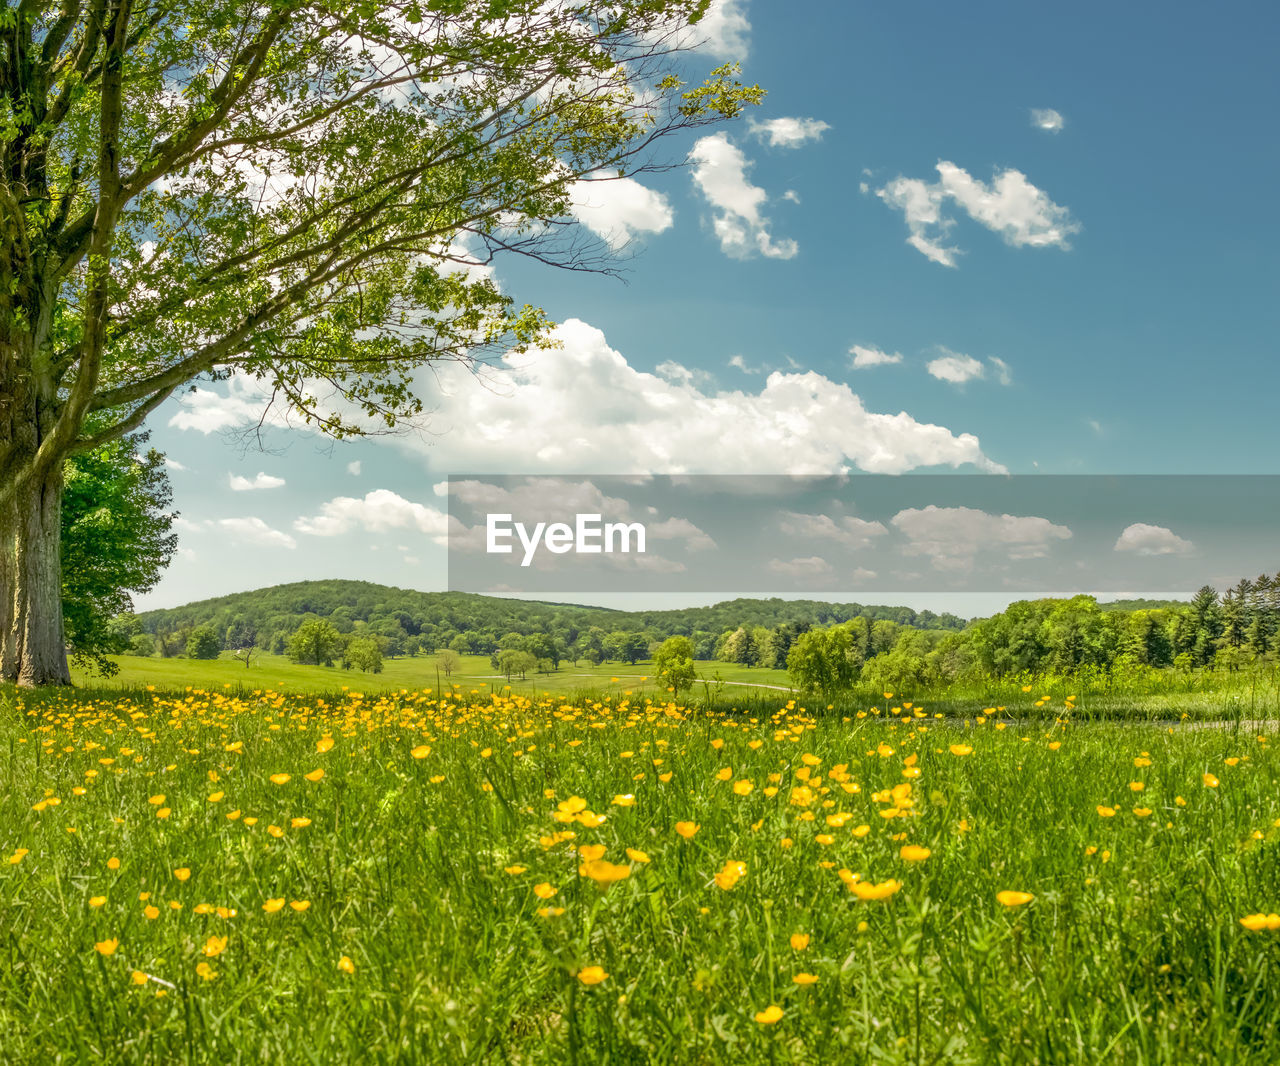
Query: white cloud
(680, 529)
(1003, 374)
(853, 532)
(812, 568)
(1046, 118)
(1010, 206)
(865, 356)
(253, 530)
(725, 30)
(379, 511)
(679, 374)
(738, 363)
(952, 537)
(583, 406)
(353, 468)
(207, 411)
(720, 174)
(955, 367)
(616, 209)
(262, 481)
(1143, 539)
(788, 132)
(173, 464)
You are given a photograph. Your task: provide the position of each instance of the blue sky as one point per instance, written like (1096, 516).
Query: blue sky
(1092, 288)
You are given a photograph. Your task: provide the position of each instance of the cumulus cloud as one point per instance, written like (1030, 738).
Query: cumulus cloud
(808, 569)
(738, 363)
(848, 530)
(788, 132)
(1143, 539)
(720, 173)
(616, 209)
(955, 367)
(583, 406)
(252, 530)
(353, 468)
(207, 411)
(725, 30)
(952, 537)
(865, 356)
(377, 512)
(682, 529)
(1046, 118)
(1010, 206)
(262, 481)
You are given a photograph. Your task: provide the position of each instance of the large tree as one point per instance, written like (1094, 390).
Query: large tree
(293, 190)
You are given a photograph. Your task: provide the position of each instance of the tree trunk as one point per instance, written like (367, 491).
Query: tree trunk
(32, 645)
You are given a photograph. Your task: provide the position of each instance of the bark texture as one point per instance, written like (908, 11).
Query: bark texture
(32, 647)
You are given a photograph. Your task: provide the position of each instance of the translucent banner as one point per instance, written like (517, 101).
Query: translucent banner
(860, 533)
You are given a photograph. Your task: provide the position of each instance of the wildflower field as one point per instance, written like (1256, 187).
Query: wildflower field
(199, 876)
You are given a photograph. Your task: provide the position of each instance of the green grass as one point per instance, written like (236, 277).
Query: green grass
(431, 827)
(416, 672)
(723, 686)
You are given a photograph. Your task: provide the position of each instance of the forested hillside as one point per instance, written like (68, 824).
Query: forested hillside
(406, 621)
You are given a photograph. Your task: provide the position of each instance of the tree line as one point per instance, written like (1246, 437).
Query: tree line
(409, 622)
(1048, 636)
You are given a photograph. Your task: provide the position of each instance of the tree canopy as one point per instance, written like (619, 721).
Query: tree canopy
(303, 192)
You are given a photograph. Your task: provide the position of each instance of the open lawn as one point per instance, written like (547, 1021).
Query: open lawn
(205, 877)
(417, 672)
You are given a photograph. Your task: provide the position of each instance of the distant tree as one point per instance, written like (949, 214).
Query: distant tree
(704, 644)
(673, 664)
(316, 641)
(826, 661)
(762, 652)
(1206, 620)
(364, 654)
(780, 641)
(626, 646)
(203, 643)
(545, 646)
(241, 633)
(516, 662)
(449, 661)
(247, 655)
(906, 667)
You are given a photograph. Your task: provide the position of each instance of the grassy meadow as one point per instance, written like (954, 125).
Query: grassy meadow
(416, 672)
(211, 876)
